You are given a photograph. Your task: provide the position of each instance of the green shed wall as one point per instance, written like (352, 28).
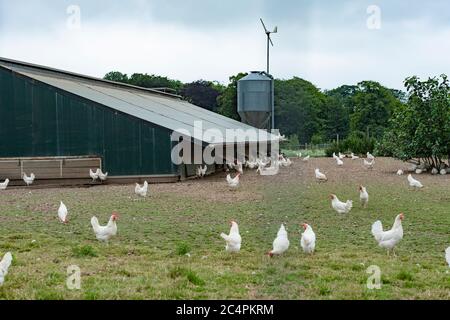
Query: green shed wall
(38, 120)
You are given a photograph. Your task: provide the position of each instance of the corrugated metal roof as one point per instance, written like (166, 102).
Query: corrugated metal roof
(165, 110)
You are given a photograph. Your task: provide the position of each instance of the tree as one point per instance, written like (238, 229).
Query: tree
(373, 106)
(153, 81)
(421, 128)
(117, 77)
(203, 94)
(298, 104)
(227, 102)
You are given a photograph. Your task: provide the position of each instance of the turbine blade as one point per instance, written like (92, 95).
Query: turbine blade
(264, 26)
(270, 39)
(275, 30)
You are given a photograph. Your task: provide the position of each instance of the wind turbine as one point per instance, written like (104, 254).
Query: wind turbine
(269, 42)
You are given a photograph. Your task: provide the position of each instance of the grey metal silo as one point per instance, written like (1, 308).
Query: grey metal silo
(255, 99)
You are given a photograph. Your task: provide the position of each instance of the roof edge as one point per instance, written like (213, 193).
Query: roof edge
(78, 75)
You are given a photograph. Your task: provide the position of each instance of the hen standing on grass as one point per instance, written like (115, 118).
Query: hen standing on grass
(389, 239)
(363, 196)
(340, 207)
(4, 184)
(281, 242)
(416, 184)
(4, 267)
(62, 213)
(104, 233)
(308, 240)
(141, 191)
(234, 239)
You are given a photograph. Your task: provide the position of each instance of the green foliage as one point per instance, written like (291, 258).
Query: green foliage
(190, 275)
(145, 80)
(227, 102)
(84, 251)
(421, 128)
(373, 106)
(117, 77)
(182, 249)
(297, 107)
(291, 143)
(203, 94)
(357, 142)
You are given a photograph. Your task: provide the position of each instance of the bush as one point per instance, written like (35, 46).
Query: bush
(357, 142)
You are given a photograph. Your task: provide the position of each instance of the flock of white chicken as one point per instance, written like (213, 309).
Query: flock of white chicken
(387, 239)
(264, 166)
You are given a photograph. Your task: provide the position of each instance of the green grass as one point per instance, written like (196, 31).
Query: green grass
(149, 257)
(84, 251)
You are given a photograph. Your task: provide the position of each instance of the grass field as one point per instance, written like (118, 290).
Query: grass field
(147, 260)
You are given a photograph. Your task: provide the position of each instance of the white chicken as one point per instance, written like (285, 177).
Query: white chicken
(141, 191)
(370, 157)
(285, 162)
(270, 171)
(233, 183)
(233, 240)
(369, 165)
(447, 255)
(239, 168)
(4, 184)
(102, 176)
(299, 155)
(308, 240)
(201, 172)
(354, 157)
(400, 172)
(335, 156)
(252, 165)
(320, 176)
(93, 175)
(4, 267)
(363, 196)
(339, 162)
(281, 242)
(416, 184)
(341, 207)
(341, 156)
(28, 180)
(62, 213)
(306, 159)
(389, 239)
(443, 172)
(262, 163)
(104, 233)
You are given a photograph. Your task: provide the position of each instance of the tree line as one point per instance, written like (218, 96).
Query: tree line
(363, 117)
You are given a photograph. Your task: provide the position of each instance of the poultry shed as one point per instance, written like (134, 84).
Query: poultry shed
(61, 116)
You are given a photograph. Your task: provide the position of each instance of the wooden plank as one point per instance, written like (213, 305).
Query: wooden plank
(9, 164)
(27, 165)
(82, 163)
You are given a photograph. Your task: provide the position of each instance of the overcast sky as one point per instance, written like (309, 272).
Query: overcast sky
(329, 43)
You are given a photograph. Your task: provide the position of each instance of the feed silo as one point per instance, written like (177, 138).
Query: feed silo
(255, 99)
